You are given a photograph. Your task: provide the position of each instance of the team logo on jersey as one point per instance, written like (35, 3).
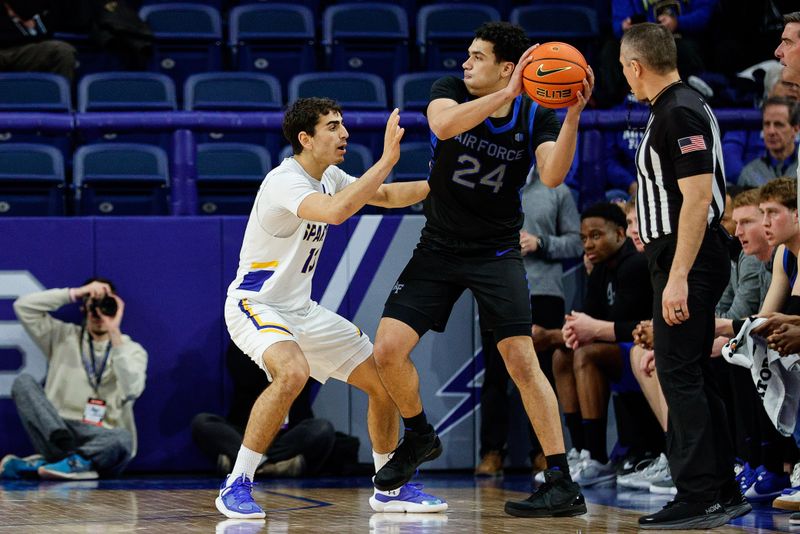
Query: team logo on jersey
(315, 232)
(397, 288)
(547, 72)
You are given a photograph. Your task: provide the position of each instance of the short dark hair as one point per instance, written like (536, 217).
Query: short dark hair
(782, 190)
(653, 45)
(302, 116)
(793, 17)
(509, 40)
(791, 105)
(102, 280)
(606, 210)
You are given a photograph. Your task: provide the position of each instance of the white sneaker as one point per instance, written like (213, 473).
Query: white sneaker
(794, 478)
(592, 473)
(788, 500)
(664, 487)
(646, 474)
(406, 498)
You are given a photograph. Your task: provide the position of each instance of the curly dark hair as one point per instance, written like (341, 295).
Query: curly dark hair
(607, 211)
(302, 116)
(509, 40)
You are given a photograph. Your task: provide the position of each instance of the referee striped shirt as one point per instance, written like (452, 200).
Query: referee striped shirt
(682, 139)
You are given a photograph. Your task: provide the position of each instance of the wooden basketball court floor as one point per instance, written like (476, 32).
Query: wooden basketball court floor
(186, 504)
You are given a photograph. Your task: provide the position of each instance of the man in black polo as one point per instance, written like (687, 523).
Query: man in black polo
(680, 201)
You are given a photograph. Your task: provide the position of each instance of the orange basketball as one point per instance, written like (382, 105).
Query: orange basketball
(555, 75)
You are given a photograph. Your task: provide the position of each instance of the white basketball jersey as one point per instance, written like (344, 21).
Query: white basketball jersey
(280, 250)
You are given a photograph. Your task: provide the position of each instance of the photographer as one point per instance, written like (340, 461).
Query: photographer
(81, 422)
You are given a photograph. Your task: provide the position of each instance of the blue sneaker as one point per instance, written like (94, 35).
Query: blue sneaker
(767, 486)
(236, 500)
(13, 467)
(406, 498)
(73, 467)
(748, 476)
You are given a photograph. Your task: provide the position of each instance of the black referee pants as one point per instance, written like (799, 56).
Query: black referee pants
(698, 439)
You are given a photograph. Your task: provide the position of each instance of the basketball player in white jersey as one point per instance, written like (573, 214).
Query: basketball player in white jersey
(269, 311)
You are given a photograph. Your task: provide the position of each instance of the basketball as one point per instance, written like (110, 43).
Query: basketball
(555, 75)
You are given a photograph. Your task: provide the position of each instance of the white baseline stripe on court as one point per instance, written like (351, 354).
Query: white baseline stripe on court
(350, 261)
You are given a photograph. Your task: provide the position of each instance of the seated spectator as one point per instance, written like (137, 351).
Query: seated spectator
(780, 125)
(620, 148)
(742, 146)
(632, 220)
(618, 296)
(26, 44)
(687, 20)
(302, 446)
(76, 438)
(550, 234)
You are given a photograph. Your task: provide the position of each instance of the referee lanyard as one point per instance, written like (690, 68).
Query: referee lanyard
(92, 373)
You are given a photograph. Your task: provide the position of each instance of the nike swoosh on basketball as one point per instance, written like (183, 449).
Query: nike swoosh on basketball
(542, 72)
(501, 252)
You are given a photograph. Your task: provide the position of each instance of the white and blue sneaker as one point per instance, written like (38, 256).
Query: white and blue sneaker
(73, 467)
(13, 467)
(406, 498)
(236, 499)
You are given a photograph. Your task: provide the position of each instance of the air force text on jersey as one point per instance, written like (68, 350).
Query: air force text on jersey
(494, 150)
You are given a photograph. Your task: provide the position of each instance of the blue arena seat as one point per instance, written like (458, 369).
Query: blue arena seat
(444, 32)
(31, 180)
(228, 177)
(412, 91)
(235, 91)
(34, 91)
(414, 164)
(188, 38)
(576, 25)
(121, 179)
(357, 160)
(366, 37)
(91, 58)
(354, 90)
(126, 91)
(276, 39)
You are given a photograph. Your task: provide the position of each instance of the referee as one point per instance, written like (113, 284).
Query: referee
(680, 201)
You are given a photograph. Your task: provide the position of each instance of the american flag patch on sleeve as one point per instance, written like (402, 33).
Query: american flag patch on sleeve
(691, 144)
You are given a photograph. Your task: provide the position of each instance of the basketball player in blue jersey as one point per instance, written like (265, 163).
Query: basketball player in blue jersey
(269, 311)
(486, 135)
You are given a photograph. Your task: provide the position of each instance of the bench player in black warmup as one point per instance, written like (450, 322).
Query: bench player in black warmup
(487, 134)
(680, 202)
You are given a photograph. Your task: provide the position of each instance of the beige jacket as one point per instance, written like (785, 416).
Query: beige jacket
(67, 385)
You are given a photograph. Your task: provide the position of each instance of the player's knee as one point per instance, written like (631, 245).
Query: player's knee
(582, 359)
(385, 353)
(562, 363)
(521, 362)
(292, 375)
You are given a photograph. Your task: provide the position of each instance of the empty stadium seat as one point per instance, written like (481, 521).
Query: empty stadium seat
(414, 164)
(445, 31)
(276, 39)
(121, 179)
(34, 91)
(353, 90)
(188, 38)
(235, 91)
(412, 91)
(366, 37)
(31, 180)
(228, 177)
(239, 91)
(126, 91)
(576, 25)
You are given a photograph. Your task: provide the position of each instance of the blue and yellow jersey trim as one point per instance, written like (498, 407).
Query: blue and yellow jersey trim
(259, 323)
(260, 273)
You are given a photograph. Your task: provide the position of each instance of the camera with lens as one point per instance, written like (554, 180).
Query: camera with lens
(106, 305)
(667, 7)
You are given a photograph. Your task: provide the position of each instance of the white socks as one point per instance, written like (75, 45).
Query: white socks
(380, 459)
(246, 463)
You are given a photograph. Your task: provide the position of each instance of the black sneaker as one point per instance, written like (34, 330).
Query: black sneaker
(414, 450)
(557, 497)
(794, 519)
(736, 505)
(686, 515)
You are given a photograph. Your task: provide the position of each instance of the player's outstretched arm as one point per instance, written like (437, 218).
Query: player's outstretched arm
(554, 159)
(400, 195)
(337, 208)
(448, 118)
